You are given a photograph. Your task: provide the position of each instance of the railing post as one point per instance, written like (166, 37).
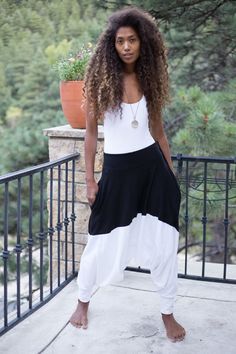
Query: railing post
(63, 141)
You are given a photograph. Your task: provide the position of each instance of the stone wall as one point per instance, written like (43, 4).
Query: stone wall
(63, 141)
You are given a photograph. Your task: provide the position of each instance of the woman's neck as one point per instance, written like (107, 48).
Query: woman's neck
(129, 69)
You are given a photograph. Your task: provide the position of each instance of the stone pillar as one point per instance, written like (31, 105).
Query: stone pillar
(63, 141)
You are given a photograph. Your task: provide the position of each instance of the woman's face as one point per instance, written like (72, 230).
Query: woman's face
(127, 44)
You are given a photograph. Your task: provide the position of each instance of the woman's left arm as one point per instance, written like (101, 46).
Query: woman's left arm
(158, 133)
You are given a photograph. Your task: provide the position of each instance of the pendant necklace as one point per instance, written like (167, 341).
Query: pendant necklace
(134, 123)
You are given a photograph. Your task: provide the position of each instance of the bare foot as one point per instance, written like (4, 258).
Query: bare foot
(79, 318)
(175, 332)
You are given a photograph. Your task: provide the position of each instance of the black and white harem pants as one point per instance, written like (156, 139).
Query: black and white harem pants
(134, 218)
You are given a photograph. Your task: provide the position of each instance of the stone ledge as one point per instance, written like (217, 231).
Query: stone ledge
(66, 131)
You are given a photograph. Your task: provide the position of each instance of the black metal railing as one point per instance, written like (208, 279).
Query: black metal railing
(207, 247)
(28, 229)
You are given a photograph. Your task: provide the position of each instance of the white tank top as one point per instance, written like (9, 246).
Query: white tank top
(119, 136)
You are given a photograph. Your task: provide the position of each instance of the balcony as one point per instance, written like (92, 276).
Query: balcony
(124, 318)
(44, 219)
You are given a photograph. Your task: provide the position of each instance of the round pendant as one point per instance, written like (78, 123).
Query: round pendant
(134, 124)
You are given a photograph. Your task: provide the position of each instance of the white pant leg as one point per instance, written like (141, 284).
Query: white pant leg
(86, 279)
(165, 272)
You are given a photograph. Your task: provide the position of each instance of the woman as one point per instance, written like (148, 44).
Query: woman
(135, 204)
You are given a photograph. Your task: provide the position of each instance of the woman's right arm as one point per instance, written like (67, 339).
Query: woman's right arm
(90, 146)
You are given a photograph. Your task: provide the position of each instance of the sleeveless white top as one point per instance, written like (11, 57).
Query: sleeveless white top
(119, 136)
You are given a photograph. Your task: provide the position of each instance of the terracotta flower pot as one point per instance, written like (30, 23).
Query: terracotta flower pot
(71, 94)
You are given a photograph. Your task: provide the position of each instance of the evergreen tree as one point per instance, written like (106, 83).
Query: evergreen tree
(206, 130)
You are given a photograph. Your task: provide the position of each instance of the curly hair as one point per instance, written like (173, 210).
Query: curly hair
(104, 76)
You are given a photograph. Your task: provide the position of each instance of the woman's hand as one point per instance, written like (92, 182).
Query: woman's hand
(92, 190)
(172, 169)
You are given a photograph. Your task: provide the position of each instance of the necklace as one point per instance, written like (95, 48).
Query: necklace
(134, 123)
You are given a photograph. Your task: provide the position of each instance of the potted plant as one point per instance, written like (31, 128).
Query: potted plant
(71, 72)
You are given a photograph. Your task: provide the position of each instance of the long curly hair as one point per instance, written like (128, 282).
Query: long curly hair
(103, 85)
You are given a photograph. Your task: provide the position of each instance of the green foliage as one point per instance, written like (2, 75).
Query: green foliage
(227, 100)
(5, 94)
(206, 130)
(204, 123)
(54, 52)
